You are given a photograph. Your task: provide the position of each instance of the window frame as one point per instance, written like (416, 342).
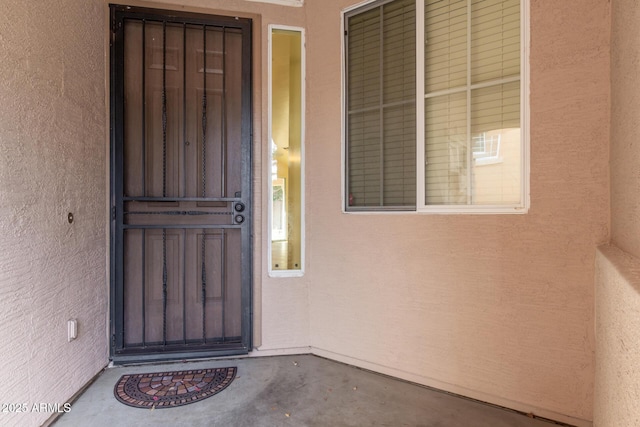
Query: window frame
(421, 207)
(303, 78)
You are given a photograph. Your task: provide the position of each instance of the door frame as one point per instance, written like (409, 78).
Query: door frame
(118, 13)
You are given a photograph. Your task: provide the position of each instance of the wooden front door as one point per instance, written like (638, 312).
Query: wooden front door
(181, 185)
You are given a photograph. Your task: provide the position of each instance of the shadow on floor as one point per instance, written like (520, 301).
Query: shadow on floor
(292, 391)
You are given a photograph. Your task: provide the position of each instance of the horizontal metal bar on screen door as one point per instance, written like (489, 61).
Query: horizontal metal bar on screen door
(180, 227)
(181, 199)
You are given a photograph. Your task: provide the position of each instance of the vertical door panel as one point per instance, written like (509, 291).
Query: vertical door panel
(182, 256)
(233, 106)
(134, 289)
(134, 153)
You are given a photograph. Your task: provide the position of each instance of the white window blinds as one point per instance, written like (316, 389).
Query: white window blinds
(472, 102)
(467, 131)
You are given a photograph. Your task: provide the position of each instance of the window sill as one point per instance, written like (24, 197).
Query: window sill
(286, 273)
(447, 210)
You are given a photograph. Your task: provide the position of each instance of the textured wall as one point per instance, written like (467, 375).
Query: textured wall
(617, 391)
(497, 307)
(52, 161)
(625, 126)
(617, 394)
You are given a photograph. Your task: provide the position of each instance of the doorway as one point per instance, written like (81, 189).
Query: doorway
(180, 185)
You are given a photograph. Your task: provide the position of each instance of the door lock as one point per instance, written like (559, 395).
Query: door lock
(239, 207)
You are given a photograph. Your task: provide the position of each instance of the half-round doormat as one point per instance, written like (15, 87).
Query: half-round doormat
(172, 389)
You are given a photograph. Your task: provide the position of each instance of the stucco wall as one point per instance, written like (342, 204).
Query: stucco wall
(497, 307)
(617, 391)
(52, 162)
(625, 125)
(617, 379)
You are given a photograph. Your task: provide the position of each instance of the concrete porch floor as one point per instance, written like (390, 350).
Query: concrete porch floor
(292, 391)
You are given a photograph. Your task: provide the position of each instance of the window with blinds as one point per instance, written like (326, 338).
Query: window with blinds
(381, 106)
(437, 128)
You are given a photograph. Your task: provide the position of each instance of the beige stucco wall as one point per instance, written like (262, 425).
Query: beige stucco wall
(497, 307)
(52, 162)
(617, 378)
(625, 125)
(617, 390)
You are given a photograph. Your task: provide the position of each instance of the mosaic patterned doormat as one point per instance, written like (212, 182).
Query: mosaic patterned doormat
(172, 389)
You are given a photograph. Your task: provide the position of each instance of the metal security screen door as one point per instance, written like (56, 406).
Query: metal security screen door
(181, 185)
